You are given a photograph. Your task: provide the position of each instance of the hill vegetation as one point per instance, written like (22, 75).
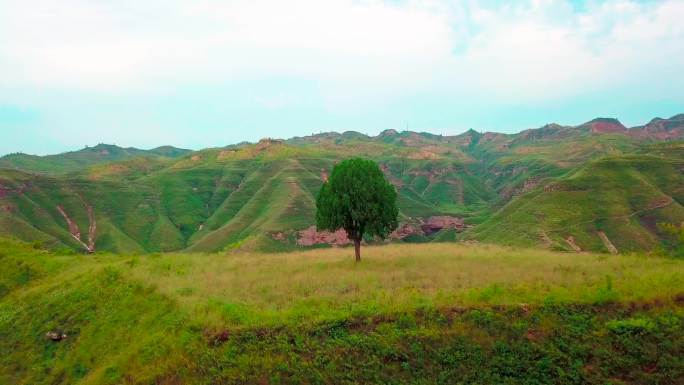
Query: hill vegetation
(598, 186)
(435, 313)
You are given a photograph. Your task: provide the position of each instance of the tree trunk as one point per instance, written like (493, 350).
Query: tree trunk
(357, 249)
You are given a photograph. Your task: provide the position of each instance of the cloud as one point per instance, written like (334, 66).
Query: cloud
(521, 50)
(337, 57)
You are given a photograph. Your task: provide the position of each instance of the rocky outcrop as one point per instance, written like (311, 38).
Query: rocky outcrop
(310, 236)
(405, 230)
(279, 236)
(55, 335)
(6, 190)
(439, 223)
(660, 129)
(606, 126)
(265, 143)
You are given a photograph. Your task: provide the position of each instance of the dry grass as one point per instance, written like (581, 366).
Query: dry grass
(254, 288)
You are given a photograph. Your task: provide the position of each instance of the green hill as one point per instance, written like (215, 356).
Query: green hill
(88, 156)
(595, 182)
(612, 200)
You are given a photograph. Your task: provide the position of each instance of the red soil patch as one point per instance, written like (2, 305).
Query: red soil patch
(607, 128)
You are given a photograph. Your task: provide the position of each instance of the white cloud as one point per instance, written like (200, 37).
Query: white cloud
(355, 51)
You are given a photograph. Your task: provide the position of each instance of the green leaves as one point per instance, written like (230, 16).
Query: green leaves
(358, 198)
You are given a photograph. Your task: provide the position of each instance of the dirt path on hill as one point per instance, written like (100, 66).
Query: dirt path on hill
(75, 231)
(73, 227)
(570, 240)
(607, 243)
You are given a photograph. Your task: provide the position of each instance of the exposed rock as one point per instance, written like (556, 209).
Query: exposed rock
(530, 184)
(607, 128)
(607, 243)
(405, 230)
(195, 158)
(570, 240)
(660, 129)
(660, 203)
(310, 236)
(438, 223)
(5, 190)
(55, 335)
(555, 187)
(267, 142)
(278, 236)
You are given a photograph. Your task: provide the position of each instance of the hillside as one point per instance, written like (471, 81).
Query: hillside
(599, 183)
(610, 201)
(407, 314)
(86, 157)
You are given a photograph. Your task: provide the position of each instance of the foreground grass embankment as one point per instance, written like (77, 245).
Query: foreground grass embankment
(438, 313)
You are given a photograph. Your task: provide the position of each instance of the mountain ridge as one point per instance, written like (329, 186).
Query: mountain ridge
(672, 123)
(262, 195)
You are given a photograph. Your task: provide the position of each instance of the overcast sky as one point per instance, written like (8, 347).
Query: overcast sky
(199, 74)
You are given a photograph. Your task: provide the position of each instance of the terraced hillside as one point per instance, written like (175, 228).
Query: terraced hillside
(598, 186)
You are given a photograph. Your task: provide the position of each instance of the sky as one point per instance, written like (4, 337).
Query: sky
(204, 73)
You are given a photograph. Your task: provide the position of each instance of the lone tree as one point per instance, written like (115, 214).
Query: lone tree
(358, 199)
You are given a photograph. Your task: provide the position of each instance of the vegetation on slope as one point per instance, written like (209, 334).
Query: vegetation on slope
(436, 313)
(247, 195)
(622, 199)
(78, 160)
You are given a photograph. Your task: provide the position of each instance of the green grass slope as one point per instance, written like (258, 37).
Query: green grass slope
(89, 156)
(623, 197)
(246, 195)
(410, 314)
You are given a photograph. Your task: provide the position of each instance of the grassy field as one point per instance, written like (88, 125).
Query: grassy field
(431, 313)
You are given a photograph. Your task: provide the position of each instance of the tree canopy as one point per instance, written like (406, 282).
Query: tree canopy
(357, 198)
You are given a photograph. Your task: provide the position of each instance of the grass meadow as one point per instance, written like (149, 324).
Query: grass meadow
(441, 313)
(256, 289)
